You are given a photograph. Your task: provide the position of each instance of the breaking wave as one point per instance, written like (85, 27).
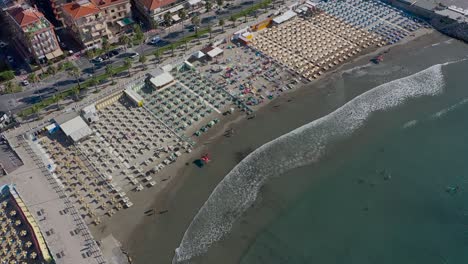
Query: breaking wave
(450, 108)
(302, 146)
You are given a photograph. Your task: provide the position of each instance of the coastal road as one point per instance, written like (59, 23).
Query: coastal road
(62, 81)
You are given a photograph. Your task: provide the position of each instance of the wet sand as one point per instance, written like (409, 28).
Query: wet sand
(152, 238)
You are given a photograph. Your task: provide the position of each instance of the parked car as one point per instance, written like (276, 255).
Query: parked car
(10, 58)
(114, 52)
(105, 57)
(133, 55)
(97, 60)
(2, 44)
(25, 83)
(154, 40)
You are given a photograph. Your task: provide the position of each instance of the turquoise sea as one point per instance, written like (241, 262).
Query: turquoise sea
(381, 179)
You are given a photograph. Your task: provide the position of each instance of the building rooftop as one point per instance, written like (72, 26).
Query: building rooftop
(80, 9)
(104, 3)
(155, 4)
(28, 18)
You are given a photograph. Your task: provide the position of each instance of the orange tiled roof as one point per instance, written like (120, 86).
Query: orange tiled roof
(104, 3)
(25, 17)
(76, 10)
(154, 4)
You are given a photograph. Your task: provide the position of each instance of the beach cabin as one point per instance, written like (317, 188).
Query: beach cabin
(134, 97)
(161, 80)
(75, 128)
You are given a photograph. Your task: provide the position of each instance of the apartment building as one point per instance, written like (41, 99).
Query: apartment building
(154, 10)
(87, 23)
(117, 14)
(34, 35)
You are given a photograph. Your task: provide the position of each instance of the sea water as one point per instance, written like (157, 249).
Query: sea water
(397, 192)
(378, 180)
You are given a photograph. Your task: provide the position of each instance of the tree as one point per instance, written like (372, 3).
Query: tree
(182, 14)
(139, 36)
(128, 63)
(233, 20)
(35, 110)
(56, 99)
(52, 69)
(125, 41)
(208, 5)
(33, 78)
(105, 45)
(7, 75)
(143, 60)
(172, 49)
(110, 71)
(196, 22)
(167, 18)
(219, 2)
(157, 54)
(94, 82)
(12, 87)
(221, 24)
(245, 17)
(154, 24)
(76, 93)
(210, 30)
(75, 72)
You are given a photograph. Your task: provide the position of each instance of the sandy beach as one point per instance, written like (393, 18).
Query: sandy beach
(155, 236)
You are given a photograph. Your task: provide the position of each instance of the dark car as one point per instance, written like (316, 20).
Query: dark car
(114, 52)
(105, 57)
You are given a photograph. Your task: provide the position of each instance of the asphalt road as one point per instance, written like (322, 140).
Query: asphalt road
(62, 81)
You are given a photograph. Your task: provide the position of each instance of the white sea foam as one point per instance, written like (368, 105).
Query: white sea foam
(450, 108)
(409, 124)
(304, 145)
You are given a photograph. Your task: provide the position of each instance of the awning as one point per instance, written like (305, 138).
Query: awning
(175, 18)
(175, 9)
(214, 52)
(54, 54)
(125, 22)
(198, 54)
(193, 2)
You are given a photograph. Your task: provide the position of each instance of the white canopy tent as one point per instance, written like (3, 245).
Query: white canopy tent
(76, 128)
(214, 52)
(162, 79)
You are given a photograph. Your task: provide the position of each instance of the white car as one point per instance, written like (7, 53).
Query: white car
(134, 55)
(2, 44)
(10, 58)
(25, 83)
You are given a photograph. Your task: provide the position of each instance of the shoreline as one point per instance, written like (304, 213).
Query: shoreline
(124, 225)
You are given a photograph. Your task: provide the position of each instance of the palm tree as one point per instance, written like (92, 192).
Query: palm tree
(167, 18)
(56, 99)
(172, 49)
(245, 17)
(233, 20)
(52, 69)
(35, 111)
(196, 22)
(182, 14)
(105, 45)
(75, 72)
(208, 6)
(128, 63)
(221, 23)
(94, 82)
(210, 30)
(143, 60)
(157, 54)
(76, 93)
(33, 78)
(110, 71)
(125, 40)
